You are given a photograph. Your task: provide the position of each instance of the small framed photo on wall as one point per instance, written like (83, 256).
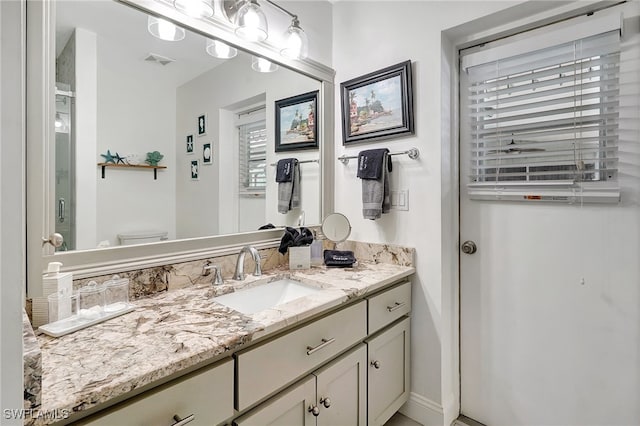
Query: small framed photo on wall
(207, 154)
(202, 124)
(189, 144)
(195, 169)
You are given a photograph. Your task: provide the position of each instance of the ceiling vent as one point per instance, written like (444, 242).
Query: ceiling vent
(159, 59)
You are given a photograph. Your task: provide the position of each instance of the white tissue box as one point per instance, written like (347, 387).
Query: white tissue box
(300, 257)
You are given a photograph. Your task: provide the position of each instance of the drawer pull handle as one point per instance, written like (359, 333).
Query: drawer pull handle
(180, 422)
(314, 410)
(325, 343)
(326, 401)
(396, 306)
(376, 364)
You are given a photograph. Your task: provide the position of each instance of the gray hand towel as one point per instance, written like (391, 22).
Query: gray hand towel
(289, 192)
(376, 198)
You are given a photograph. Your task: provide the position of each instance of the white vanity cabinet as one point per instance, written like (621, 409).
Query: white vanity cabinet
(334, 395)
(204, 397)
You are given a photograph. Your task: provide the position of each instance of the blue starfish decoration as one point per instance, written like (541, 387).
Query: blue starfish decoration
(108, 158)
(119, 160)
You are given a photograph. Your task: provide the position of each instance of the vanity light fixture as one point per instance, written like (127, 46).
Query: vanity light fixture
(164, 30)
(58, 121)
(263, 65)
(195, 8)
(221, 50)
(251, 22)
(296, 44)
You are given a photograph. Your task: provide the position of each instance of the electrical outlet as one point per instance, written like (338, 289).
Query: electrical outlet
(400, 199)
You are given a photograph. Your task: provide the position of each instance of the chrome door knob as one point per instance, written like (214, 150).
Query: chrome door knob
(314, 410)
(469, 247)
(326, 401)
(375, 364)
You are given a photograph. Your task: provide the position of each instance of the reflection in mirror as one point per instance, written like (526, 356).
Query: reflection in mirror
(122, 93)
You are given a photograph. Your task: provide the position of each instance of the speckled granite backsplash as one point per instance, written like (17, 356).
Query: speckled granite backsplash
(149, 281)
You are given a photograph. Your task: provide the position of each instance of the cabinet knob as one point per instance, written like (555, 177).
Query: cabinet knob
(314, 410)
(180, 422)
(376, 364)
(326, 401)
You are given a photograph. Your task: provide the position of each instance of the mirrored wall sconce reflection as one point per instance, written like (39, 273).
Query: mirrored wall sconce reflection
(220, 50)
(164, 30)
(195, 8)
(263, 65)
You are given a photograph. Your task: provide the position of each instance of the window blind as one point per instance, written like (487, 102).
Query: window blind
(253, 157)
(544, 123)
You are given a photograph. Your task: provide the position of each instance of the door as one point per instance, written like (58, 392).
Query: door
(549, 297)
(64, 170)
(342, 390)
(389, 372)
(291, 408)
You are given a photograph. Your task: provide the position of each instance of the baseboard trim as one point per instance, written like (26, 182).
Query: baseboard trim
(423, 410)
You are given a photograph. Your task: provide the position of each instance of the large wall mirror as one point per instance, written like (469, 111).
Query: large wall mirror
(121, 93)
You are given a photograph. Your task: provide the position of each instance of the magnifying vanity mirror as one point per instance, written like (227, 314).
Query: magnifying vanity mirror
(121, 94)
(336, 227)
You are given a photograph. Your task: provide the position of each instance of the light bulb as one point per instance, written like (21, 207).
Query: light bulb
(252, 23)
(164, 30)
(58, 122)
(194, 8)
(263, 65)
(296, 42)
(221, 50)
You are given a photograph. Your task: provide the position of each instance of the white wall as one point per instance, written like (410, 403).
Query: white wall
(136, 115)
(12, 194)
(369, 35)
(216, 211)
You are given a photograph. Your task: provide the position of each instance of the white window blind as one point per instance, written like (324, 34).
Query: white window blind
(253, 157)
(544, 123)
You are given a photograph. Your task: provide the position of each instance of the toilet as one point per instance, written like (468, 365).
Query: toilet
(142, 237)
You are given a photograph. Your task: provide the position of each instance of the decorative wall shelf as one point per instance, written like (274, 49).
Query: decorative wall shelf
(131, 166)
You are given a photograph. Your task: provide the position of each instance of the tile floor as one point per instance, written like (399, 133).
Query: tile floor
(400, 420)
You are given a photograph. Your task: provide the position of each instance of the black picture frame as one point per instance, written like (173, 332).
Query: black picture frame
(207, 154)
(202, 124)
(190, 144)
(297, 130)
(372, 120)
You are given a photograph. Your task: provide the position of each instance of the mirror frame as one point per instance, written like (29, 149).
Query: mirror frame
(40, 134)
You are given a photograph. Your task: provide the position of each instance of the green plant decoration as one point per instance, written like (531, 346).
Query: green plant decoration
(153, 158)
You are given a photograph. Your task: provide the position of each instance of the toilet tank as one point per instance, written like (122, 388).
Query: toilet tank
(142, 237)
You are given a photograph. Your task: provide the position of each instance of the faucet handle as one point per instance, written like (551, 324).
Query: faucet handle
(217, 280)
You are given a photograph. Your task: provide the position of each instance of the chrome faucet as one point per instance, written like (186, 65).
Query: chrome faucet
(217, 278)
(239, 275)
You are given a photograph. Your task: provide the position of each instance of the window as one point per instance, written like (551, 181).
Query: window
(253, 154)
(543, 124)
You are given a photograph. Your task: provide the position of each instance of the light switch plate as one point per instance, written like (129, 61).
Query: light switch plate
(400, 199)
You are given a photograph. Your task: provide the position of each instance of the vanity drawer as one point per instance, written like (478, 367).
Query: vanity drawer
(386, 307)
(206, 396)
(262, 370)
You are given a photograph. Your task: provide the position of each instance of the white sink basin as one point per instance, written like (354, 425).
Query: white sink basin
(265, 296)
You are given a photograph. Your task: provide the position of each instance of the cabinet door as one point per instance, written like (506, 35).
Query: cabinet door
(206, 396)
(342, 390)
(290, 408)
(388, 372)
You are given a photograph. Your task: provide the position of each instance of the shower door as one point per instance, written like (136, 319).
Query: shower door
(64, 168)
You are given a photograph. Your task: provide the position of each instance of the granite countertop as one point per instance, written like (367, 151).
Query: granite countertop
(176, 330)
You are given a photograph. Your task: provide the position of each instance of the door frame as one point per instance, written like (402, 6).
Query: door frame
(519, 18)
